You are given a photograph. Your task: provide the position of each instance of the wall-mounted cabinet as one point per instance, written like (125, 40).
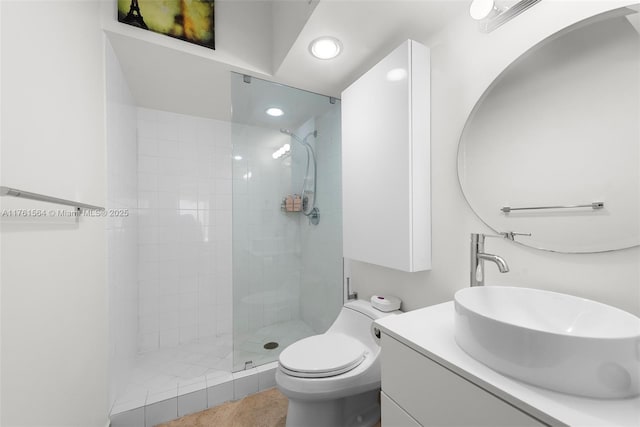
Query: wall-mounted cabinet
(386, 162)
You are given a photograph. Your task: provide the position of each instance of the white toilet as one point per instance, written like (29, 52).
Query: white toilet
(333, 379)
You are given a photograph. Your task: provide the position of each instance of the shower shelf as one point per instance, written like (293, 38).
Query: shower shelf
(296, 204)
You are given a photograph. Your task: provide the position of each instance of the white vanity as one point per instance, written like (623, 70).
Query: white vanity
(428, 380)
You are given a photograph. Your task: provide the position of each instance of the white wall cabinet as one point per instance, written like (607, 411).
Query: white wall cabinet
(418, 391)
(386, 162)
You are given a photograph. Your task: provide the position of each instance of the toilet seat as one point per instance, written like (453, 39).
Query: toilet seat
(322, 356)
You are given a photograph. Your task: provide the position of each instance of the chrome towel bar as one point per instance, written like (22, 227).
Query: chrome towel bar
(593, 205)
(6, 191)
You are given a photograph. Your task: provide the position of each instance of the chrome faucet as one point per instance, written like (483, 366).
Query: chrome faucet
(478, 256)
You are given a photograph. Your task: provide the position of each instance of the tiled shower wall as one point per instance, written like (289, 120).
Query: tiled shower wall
(122, 231)
(184, 240)
(321, 290)
(266, 240)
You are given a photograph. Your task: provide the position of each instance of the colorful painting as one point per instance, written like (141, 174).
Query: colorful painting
(189, 20)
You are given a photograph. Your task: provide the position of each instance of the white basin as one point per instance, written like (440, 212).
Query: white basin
(552, 340)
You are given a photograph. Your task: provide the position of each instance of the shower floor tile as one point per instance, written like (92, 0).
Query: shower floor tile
(157, 374)
(250, 346)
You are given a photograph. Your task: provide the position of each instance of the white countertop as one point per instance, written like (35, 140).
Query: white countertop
(430, 331)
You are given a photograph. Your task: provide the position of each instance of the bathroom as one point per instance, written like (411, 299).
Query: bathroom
(56, 311)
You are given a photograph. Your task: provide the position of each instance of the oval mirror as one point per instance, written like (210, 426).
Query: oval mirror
(552, 146)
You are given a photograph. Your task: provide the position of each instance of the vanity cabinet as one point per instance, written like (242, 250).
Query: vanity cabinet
(386, 162)
(417, 391)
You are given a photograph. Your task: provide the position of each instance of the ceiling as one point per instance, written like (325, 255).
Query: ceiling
(269, 39)
(251, 100)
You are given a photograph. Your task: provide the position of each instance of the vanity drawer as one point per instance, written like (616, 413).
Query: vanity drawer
(393, 415)
(434, 395)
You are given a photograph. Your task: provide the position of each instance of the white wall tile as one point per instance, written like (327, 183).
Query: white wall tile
(219, 393)
(148, 164)
(147, 115)
(147, 182)
(167, 148)
(178, 187)
(168, 129)
(267, 376)
(192, 402)
(146, 128)
(245, 383)
(168, 319)
(131, 418)
(149, 325)
(169, 337)
(161, 412)
(148, 342)
(188, 334)
(147, 146)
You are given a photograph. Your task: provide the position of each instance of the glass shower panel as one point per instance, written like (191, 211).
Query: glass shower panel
(287, 230)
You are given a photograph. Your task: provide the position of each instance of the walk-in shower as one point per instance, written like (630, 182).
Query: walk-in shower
(210, 276)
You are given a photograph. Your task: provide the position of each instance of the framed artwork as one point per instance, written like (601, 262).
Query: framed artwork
(188, 20)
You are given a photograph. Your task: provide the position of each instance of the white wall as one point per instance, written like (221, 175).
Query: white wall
(464, 63)
(122, 230)
(54, 292)
(184, 240)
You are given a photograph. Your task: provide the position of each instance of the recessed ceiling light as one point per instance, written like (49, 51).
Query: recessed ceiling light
(325, 47)
(237, 157)
(274, 111)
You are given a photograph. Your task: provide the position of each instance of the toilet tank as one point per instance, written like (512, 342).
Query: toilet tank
(355, 319)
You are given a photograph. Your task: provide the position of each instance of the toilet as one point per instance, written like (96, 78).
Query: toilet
(333, 379)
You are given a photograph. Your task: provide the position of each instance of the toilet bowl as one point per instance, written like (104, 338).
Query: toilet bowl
(333, 379)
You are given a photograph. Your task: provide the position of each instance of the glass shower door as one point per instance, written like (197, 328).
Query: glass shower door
(287, 256)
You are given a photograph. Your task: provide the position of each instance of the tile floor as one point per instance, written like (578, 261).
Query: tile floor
(266, 409)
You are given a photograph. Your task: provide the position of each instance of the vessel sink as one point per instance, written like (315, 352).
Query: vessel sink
(552, 340)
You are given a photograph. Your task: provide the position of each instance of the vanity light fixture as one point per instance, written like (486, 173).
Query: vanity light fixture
(274, 111)
(490, 16)
(325, 47)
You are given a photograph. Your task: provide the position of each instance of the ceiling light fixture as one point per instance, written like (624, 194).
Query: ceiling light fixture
(274, 111)
(325, 47)
(491, 16)
(483, 9)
